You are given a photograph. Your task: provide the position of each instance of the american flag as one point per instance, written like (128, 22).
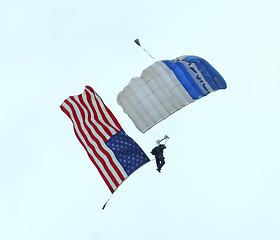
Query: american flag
(112, 151)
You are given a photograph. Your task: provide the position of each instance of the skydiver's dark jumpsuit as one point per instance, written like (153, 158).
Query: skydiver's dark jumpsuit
(158, 152)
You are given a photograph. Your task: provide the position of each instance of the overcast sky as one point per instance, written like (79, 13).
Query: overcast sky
(221, 178)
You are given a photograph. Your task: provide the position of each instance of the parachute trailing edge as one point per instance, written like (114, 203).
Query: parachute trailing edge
(167, 86)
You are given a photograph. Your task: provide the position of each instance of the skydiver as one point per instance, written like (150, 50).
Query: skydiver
(158, 152)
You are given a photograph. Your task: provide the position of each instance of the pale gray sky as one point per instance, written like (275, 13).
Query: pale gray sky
(221, 178)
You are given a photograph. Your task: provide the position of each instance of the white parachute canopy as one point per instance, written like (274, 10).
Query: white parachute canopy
(165, 87)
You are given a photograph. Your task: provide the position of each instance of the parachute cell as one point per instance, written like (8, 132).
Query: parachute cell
(165, 87)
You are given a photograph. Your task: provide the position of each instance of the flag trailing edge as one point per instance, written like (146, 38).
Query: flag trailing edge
(112, 151)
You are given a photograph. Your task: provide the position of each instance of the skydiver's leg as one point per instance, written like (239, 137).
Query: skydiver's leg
(162, 163)
(158, 164)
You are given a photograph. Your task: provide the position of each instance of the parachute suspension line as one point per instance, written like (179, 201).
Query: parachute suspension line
(174, 130)
(174, 124)
(138, 43)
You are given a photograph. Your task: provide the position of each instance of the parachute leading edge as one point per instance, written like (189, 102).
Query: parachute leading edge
(165, 87)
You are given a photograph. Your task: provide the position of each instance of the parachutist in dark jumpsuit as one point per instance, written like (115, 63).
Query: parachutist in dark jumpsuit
(158, 152)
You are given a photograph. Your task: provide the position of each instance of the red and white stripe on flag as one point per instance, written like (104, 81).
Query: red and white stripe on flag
(94, 124)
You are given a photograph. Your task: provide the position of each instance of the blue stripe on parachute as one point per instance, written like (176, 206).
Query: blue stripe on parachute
(211, 75)
(184, 78)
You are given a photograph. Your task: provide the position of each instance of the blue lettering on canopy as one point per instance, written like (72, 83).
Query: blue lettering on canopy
(185, 78)
(210, 74)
